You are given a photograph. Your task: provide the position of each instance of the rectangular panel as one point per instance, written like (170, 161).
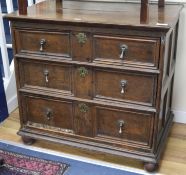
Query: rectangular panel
(43, 42)
(51, 75)
(123, 125)
(83, 121)
(81, 46)
(83, 82)
(48, 113)
(130, 50)
(126, 87)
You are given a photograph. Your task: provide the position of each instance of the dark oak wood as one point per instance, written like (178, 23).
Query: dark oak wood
(97, 75)
(22, 6)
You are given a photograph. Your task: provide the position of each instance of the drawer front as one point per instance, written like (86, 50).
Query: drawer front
(141, 51)
(125, 87)
(52, 76)
(124, 125)
(48, 113)
(42, 42)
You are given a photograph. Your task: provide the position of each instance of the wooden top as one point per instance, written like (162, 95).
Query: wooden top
(102, 13)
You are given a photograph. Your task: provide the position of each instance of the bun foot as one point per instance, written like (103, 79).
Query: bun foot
(1, 161)
(150, 167)
(28, 140)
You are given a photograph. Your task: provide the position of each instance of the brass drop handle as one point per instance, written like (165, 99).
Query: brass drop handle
(123, 49)
(46, 74)
(42, 43)
(48, 113)
(123, 84)
(83, 108)
(121, 125)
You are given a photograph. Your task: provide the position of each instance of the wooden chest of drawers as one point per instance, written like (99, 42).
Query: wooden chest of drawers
(96, 78)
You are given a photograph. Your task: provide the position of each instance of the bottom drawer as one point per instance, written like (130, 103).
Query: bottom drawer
(125, 126)
(48, 113)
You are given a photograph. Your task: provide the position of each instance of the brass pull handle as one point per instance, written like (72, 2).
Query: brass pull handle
(82, 38)
(123, 84)
(42, 43)
(124, 49)
(83, 72)
(48, 113)
(121, 125)
(83, 108)
(46, 74)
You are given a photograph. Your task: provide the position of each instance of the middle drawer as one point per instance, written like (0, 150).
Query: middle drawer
(122, 86)
(48, 75)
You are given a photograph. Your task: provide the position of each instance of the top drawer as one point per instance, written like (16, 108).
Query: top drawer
(42, 42)
(126, 50)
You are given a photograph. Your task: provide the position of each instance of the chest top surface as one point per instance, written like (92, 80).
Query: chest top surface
(101, 13)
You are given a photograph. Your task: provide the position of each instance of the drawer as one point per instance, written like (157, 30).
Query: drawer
(125, 87)
(48, 113)
(43, 42)
(51, 76)
(126, 50)
(121, 125)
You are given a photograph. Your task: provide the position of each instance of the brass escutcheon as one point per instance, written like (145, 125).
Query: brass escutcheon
(82, 38)
(83, 108)
(83, 72)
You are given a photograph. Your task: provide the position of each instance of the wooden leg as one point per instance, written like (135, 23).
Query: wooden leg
(1, 161)
(150, 167)
(28, 140)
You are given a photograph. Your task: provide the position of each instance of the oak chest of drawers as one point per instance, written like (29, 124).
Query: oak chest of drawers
(95, 76)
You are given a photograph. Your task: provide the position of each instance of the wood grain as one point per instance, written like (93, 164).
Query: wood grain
(173, 161)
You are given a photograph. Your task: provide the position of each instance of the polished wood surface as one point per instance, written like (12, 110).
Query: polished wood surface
(100, 13)
(93, 85)
(172, 162)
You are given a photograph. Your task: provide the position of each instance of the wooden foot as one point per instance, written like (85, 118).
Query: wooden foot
(1, 161)
(28, 140)
(150, 167)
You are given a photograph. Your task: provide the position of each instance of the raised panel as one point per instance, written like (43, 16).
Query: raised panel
(137, 50)
(48, 113)
(83, 82)
(139, 88)
(137, 127)
(43, 42)
(82, 46)
(83, 121)
(52, 76)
